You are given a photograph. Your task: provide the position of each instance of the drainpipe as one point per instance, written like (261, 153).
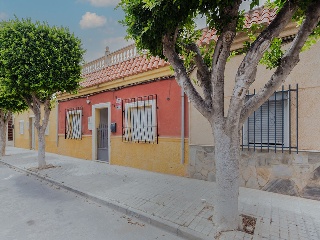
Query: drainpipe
(182, 126)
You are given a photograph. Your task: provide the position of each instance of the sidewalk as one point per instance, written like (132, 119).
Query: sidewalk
(180, 205)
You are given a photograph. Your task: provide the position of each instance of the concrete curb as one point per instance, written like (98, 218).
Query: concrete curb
(158, 222)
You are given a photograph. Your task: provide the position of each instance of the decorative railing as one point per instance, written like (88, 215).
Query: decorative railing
(121, 55)
(94, 65)
(110, 59)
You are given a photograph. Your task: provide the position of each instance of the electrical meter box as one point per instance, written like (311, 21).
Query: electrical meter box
(113, 127)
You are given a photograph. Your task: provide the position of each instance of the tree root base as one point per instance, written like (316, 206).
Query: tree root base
(36, 169)
(247, 225)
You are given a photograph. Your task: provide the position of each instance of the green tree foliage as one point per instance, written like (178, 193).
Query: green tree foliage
(147, 21)
(10, 102)
(37, 61)
(166, 29)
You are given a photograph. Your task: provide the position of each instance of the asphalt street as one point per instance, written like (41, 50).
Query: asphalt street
(37, 210)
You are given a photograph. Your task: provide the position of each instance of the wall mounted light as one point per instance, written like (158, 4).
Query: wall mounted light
(88, 100)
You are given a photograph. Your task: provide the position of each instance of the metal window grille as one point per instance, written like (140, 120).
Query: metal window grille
(139, 119)
(73, 123)
(271, 126)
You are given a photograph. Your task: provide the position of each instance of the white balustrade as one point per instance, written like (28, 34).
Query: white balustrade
(110, 59)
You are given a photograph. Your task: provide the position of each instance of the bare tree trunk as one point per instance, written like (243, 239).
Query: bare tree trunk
(4, 119)
(41, 128)
(227, 179)
(41, 133)
(3, 136)
(41, 137)
(41, 148)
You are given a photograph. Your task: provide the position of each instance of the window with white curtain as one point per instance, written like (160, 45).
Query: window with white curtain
(73, 124)
(140, 121)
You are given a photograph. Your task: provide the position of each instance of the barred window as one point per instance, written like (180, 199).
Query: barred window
(270, 126)
(73, 123)
(139, 122)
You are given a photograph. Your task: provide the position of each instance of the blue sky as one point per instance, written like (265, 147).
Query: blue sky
(95, 22)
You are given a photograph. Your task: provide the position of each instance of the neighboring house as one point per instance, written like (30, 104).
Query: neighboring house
(25, 135)
(280, 141)
(129, 111)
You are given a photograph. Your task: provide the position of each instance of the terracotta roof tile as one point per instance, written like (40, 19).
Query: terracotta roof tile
(257, 16)
(141, 64)
(123, 69)
(155, 64)
(260, 15)
(161, 63)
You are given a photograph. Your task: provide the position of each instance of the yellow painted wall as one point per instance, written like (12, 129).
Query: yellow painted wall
(163, 157)
(51, 139)
(306, 74)
(76, 148)
(24, 140)
(54, 143)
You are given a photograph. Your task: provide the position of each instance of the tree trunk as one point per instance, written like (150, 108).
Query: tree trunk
(4, 119)
(41, 138)
(3, 136)
(41, 148)
(41, 128)
(227, 179)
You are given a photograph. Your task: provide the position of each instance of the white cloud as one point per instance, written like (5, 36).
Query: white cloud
(103, 3)
(92, 20)
(3, 16)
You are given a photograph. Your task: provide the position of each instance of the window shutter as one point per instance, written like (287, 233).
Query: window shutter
(267, 124)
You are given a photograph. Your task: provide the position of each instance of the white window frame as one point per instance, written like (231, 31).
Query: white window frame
(90, 123)
(76, 124)
(21, 127)
(140, 125)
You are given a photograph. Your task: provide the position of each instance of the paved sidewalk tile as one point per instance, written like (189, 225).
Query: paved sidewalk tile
(178, 204)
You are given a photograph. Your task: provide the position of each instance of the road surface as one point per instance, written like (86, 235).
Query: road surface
(37, 210)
